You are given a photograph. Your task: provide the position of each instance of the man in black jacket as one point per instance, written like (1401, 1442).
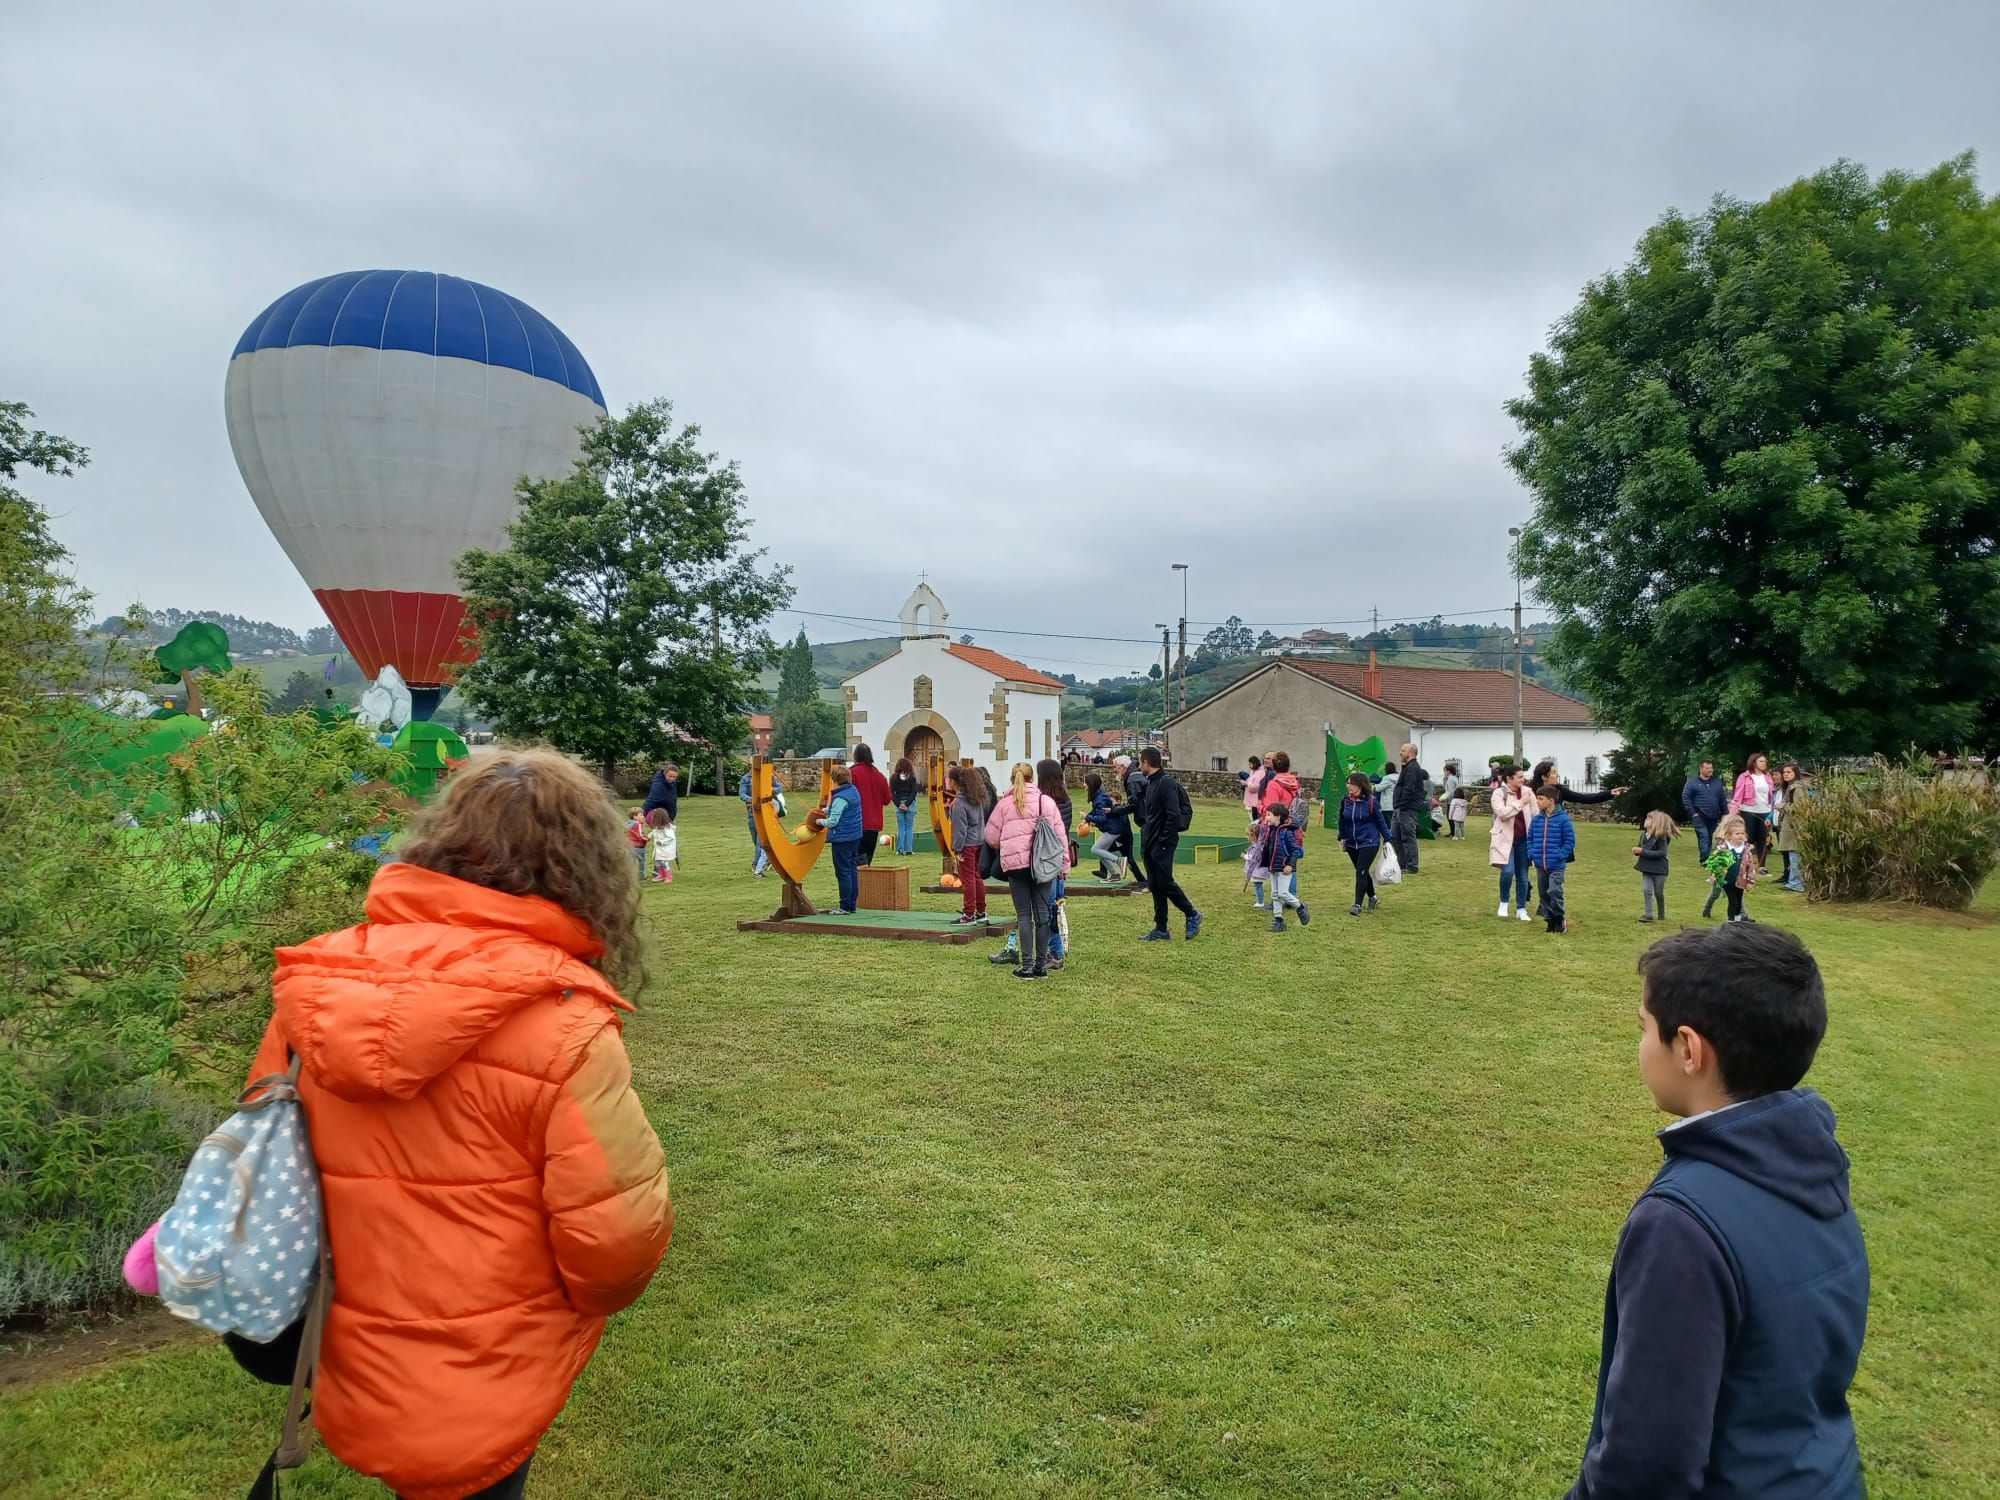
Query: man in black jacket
(1165, 812)
(1410, 784)
(666, 792)
(1134, 781)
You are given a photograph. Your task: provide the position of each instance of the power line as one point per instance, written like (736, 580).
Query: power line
(1120, 640)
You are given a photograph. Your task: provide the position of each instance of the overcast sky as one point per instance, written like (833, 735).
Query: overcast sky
(1038, 298)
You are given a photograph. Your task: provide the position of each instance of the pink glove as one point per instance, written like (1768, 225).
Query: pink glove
(142, 1274)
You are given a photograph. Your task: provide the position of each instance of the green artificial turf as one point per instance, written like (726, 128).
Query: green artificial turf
(1324, 1213)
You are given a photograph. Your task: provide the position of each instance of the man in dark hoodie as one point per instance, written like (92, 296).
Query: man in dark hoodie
(1705, 799)
(1739, 1292)
(1411, 798)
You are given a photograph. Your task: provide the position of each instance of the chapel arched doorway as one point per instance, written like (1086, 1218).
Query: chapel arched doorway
(920, 744)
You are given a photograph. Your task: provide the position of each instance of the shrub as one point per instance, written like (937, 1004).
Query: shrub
(1655, 778)
(1898, 832)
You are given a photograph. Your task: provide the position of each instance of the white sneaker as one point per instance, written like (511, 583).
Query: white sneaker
(1524, 915)
(1505, 911)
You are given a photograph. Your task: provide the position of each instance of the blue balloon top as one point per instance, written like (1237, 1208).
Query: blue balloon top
(425, 313)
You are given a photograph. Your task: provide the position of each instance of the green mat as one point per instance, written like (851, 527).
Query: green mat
(910, 920)
(1226, 848)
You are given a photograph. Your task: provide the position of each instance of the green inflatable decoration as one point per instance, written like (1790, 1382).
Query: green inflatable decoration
(198, 645)
(430, 751)
(1371, 758)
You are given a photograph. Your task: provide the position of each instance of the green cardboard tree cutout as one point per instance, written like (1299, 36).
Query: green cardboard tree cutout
(198, 645)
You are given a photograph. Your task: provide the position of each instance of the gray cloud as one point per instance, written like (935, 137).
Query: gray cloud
(1038, 298)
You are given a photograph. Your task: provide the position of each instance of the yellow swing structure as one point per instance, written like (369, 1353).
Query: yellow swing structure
(793, 853)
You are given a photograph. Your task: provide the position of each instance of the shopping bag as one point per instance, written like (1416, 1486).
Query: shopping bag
(1390, 871)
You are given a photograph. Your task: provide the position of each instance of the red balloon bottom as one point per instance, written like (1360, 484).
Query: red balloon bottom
(421, 635)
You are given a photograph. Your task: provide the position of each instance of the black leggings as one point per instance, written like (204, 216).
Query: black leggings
(1757, 829)
(512, 1487)
(1364, 877)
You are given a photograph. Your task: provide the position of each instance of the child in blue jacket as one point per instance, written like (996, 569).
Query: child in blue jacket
(1551, 846)
(842, 822)
(1278, 851)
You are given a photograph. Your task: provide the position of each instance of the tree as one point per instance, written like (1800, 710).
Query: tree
(1765, 458)
(805, 727)
(1225, 642)
(321, 641)
(798, 680)
(110, 1022)
(626, 614)
(1266, 641)
(1154, 671)
(301, 690)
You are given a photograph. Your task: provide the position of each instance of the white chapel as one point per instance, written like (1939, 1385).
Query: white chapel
(934, 695)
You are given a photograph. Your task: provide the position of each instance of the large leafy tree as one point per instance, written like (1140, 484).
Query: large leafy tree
(627, 615)
(1765, 458)
(800, 720)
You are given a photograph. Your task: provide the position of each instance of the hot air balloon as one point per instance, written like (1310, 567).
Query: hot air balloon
(380, 420)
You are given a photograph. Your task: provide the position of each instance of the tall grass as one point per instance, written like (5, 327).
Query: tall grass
(1898, 832)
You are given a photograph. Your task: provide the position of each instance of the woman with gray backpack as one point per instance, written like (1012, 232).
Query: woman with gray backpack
(1027, 830)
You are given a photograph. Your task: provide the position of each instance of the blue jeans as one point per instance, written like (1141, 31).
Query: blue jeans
(847, 871)
(762, 859)
(1704, 837)
(906, 830)
(1514, 875)
(1057, 946)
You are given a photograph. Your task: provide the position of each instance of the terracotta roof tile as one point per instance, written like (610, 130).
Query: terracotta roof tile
(1007, 668)
(1451, 695)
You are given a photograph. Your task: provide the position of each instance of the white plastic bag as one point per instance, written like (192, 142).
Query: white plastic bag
(1390, 870)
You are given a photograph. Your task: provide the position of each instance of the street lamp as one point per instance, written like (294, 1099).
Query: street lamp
(1182, 569)
(1515, 551)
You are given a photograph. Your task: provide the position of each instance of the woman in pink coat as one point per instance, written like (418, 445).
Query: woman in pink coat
(1752, 798)
(1513, 806)
(1011, 830)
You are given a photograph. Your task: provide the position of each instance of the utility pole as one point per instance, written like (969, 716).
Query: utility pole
(1519, 747)
(1166, 686)
(1182, 569)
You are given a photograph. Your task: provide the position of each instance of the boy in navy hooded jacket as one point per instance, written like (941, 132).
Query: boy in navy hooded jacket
(1739, 1291)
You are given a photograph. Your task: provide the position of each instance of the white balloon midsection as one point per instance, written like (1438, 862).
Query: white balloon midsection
(378, 468)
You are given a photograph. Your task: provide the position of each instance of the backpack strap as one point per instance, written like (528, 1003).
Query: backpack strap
(295, 1440)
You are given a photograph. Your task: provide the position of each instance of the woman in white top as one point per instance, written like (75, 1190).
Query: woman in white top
(1752, 798)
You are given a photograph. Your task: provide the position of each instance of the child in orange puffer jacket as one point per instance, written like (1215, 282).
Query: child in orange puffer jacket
(493, 1188)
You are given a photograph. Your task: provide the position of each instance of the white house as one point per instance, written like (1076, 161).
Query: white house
(1447, 713)
(964, 702)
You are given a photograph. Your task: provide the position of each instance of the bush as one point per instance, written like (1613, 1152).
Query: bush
(1655, 778)
(1888, 832)
(137, 925)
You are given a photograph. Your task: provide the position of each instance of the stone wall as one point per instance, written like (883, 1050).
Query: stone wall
(1224, 785)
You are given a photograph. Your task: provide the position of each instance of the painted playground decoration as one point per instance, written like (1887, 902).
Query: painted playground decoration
(794, 852)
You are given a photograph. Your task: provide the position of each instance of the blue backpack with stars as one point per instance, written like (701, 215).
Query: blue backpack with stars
(239, 1252)
(243, 1250)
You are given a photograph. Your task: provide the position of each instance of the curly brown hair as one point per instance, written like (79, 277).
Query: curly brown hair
(534, 823)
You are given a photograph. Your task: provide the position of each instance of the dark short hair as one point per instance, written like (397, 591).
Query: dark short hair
(1751, 991)
(1280, 762)
(1255, 762)
(863, 755)
(1151, 756)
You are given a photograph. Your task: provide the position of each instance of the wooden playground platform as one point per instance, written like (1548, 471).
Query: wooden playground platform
(891, 926)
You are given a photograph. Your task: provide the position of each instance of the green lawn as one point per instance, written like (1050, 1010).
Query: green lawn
(1325, 1213)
